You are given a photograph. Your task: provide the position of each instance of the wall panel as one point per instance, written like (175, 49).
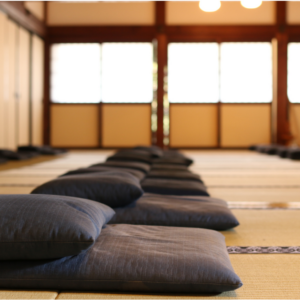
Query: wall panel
(11, 103)
(3, 26)
(100, 13)
(36, 8)
(295, 122)
(126, 125)
(293, 12)
(245, 124)
(37, 71)
(23, 82)
(74, 125)
(230, 13)
(193, 125)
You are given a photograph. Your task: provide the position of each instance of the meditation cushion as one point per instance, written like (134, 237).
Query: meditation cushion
(115, 189)
(154, 150)
(125, 164)
(132, 155)
(165, 167)
(174, 187)
(133, 258)
(173, 174)
(294, 153)
(172, 161)
(138, 174)
(180, 211)
(47, 227)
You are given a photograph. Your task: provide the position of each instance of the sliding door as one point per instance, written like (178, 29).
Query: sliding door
(101, 94)
(216, 95)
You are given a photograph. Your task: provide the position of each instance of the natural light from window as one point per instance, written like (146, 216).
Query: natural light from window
(293, 78)
(193, 72)
(246, 72)
(127, 72)
(75, 73)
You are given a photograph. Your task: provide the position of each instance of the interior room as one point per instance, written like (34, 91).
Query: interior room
(150, 149)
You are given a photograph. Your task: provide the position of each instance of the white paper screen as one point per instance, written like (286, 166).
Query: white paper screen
(246, 72)
(127, 72)
(75, 73)
(293, 79)
(193, 72)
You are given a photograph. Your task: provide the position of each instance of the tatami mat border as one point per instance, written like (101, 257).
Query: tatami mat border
(263, 250)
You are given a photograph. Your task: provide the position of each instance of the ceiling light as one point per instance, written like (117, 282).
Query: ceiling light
(251, 3)
(210, 5)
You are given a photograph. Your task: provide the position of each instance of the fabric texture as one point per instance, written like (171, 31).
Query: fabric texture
(47, 226)
(166, 167)
(180, 211)
(132, 258)
(173, 174)
(115, 189)
(125, 164)
(173, 161)
(132, 155)
(154, 150)
(138, 174)
(174, 187)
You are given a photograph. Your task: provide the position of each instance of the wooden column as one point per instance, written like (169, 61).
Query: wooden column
(161, 62)
(283, 131)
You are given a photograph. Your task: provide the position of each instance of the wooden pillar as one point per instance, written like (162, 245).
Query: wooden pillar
(283, 135)
(161, 62)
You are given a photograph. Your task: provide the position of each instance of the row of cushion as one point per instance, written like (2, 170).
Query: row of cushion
(282, 151)
(58, 242)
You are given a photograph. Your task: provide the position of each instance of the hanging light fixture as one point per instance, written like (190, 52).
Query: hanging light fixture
(209, 5)
(251, 3)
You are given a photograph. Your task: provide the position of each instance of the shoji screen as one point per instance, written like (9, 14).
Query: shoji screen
(23, 84)
(3, 25)
(37, 62)
(10, 98)
(193, 93)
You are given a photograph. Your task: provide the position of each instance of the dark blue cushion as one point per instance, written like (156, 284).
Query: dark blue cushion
(174, 187)
(133, 258)
(47, 226)
(115, 189)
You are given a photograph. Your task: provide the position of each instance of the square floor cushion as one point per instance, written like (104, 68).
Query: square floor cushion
(154, 150)
(47, 227)
(174, 187)
(294, 153)
(173, 174)
(169, 167)
(173, 161)
(133, 258)
(138, 174)
(180, 211)
(132, 155)
(125, 164)
(115, 189)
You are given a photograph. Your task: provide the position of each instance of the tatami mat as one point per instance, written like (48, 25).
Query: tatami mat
(7, 294)
(243, 178)
(268, 194)
(265, 228)
(268, 276)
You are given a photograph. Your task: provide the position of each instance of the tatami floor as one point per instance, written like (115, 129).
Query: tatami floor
(263, 191)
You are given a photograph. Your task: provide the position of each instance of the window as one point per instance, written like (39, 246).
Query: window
(127, 72)
(293, 78)
(75, 73)
(246, 72)
(111, 73)
(230, 73)
(193, 72)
